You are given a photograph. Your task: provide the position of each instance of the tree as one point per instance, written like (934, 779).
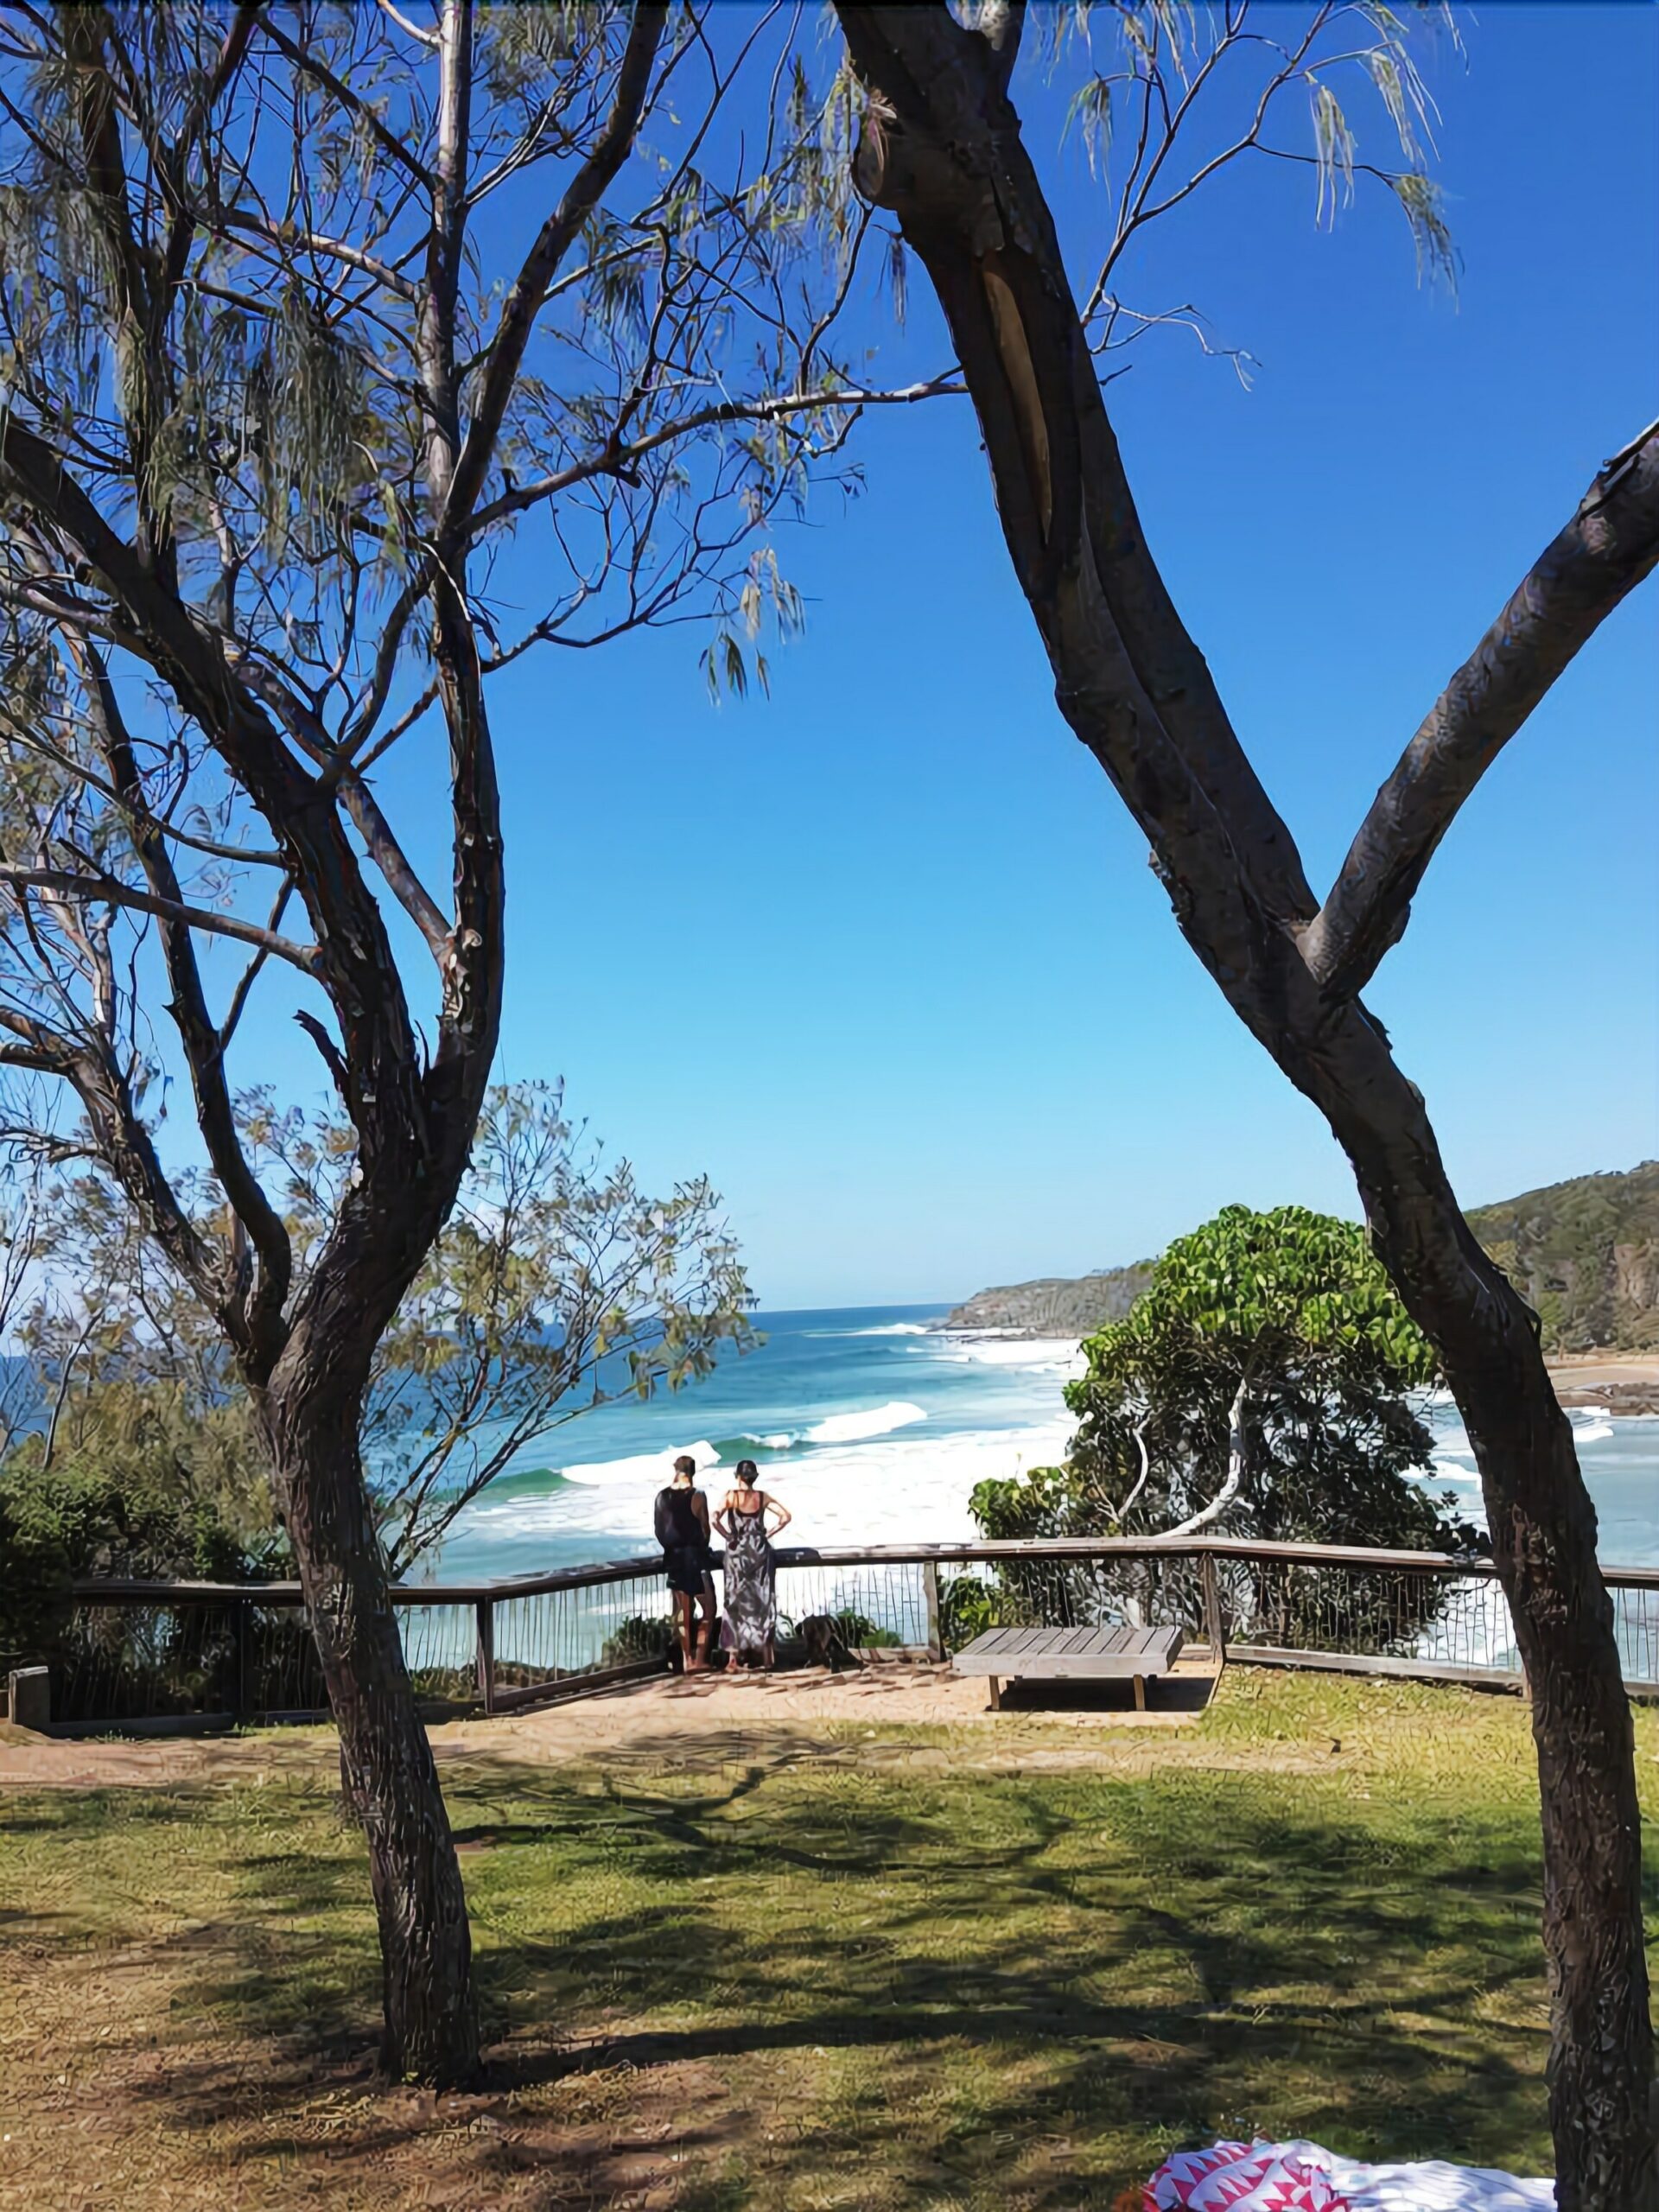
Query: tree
(1261, 1386)
(555, 1285)
(304, 311)
(940, 146)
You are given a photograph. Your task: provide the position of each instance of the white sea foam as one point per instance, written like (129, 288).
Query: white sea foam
(1040, 1355)
(1592, 1432)
(905, 1489)
(858, 1428)
(654, 1467)
(886, 1329)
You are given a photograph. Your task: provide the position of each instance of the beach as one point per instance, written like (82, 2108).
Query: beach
(875, 1424)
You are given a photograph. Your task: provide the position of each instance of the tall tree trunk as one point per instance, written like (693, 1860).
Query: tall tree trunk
(310, 1415)
(1543, 1530)
(940, 146)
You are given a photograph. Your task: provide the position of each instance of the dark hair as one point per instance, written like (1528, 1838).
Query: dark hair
(747, 1472)
(685, 1465)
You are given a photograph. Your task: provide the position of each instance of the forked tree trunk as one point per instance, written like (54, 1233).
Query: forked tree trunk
(940, 146)
(387, 1768)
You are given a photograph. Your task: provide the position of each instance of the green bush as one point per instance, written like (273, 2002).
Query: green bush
(859, 1633)
(145, 1486)
(639, 1638)
(1289, 1315)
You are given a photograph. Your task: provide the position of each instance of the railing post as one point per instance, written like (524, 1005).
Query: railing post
(486, 1652)
(931, 1599)
(1213, 1627)
(242, 1620)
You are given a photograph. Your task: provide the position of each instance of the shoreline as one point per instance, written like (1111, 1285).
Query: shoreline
(1625, 1383)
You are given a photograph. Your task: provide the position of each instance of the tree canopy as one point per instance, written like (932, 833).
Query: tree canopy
(1281, 1327)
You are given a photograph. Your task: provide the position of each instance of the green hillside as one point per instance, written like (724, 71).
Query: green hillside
(1585, 1254)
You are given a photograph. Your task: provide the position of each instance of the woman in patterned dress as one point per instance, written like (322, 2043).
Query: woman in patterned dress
(748, 1518)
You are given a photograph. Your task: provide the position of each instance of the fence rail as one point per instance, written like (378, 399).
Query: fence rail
(150, 1655)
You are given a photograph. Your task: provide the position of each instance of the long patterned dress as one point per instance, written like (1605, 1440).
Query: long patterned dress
(751, 1578)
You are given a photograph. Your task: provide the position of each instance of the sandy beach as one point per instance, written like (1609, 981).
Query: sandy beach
(1581, 1367)
(1624, 1381)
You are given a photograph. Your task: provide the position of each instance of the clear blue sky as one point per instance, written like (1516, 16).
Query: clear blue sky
(883, 954)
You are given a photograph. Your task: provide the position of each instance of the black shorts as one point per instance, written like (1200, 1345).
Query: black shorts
(688, 1570)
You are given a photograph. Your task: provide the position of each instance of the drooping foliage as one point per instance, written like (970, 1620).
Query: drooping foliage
(1292, 1307)
(1286, 1322)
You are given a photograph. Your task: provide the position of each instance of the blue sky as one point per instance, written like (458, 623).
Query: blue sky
(883, 954)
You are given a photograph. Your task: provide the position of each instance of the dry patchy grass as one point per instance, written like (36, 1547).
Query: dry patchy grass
(948, 1968)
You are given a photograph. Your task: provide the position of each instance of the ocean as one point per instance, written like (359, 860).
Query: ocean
(872, 1425)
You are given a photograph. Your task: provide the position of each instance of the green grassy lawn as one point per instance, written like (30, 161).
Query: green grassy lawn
(869, 1969)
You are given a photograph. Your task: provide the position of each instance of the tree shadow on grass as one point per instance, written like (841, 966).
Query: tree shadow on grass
(929, 1987)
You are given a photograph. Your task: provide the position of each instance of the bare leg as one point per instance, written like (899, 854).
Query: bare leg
(682, 1610)
(706, 1625)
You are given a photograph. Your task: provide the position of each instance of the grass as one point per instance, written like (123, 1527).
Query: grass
(1005, 1967)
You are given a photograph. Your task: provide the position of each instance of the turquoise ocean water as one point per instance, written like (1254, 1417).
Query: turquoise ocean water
(874, 1427)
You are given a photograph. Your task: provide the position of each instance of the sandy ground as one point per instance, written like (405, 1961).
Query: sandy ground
(1590, 1367)
(669, 1717)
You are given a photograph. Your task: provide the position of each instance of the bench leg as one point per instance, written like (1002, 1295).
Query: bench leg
(996, 1694)
(1139, 1692)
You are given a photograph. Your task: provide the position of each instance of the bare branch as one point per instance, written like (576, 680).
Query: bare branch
(302, 58)
(541, 264)
(618, 460)
(1229, 1490)
(111, 890)
(1610, 545)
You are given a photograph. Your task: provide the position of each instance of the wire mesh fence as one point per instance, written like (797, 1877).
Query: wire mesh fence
(146, 1661)
(882, 1604)
(164, 1655)
(1635, 1624)
(548, 1635)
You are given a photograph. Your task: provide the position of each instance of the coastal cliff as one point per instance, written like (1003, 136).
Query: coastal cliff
(1584, 1254)
(1055, 1306)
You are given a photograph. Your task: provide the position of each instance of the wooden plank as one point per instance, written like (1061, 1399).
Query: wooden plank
(983, 1642)
(111, 1591)
(1114, 1640)
(1389, 1668)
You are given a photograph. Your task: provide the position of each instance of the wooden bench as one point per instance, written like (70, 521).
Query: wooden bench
(1070, 1655)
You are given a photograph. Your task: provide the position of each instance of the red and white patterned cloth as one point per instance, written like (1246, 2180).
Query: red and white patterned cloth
(1301, 2178)
(1243, 2177)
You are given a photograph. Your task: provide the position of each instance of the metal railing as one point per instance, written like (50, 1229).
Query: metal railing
(170, 1655)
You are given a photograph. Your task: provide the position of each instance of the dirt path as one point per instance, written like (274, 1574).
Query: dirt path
(678, 1720)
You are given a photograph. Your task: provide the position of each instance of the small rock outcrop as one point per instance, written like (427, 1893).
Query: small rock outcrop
(1055, 1306)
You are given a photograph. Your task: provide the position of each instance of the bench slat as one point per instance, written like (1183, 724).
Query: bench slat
(1100, 1654)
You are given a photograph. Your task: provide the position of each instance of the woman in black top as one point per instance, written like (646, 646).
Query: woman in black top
(683, 1532)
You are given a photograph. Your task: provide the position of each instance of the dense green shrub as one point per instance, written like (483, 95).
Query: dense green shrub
(1292, 1309)
(639, 1638)
(140, 1483)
